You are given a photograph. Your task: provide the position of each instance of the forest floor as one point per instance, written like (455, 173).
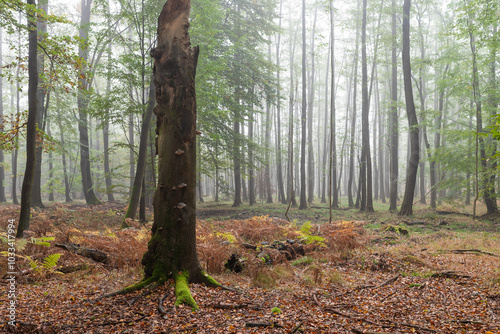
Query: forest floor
(433, 272)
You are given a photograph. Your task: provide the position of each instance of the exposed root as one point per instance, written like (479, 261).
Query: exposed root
(136, 287)
(182, 291)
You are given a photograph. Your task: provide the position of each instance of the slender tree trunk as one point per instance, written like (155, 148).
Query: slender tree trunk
(51, 168)
(303, 201)
(393, 119)
(267, 139)
(310, 150)
(2, 171)
(105, 129)
(334, 193)
(354, 111)
(290, 176)
(411, 174)
(492, 105)
(141, 161)
(83, 102)
(36, 191)
(279, 163)
(489, 199)
(67, 187)
(366, 168)
(25, 213)
(251, 173)
(381, 146)
(325, 134)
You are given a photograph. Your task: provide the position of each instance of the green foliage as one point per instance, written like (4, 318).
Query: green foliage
(228, 236)
(276, 310)
(305, 232)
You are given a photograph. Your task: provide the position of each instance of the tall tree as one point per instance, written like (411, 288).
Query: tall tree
(393, 119)
(279, 163)
(172, 248)
(105, 120)
(411, 171)
(333, 188)
(488, 189)
(310, 117)
(42, 95)
(2, 171)
(141, 160)
(303, 200)
(366, 166)
(83, 103)
(354, 110)
(25, 212)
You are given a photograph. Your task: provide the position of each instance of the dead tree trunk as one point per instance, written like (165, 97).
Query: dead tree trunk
(172, 248)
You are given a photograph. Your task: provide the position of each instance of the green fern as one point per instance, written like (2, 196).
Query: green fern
(51, 261)
(42, 241)
(305, 232)
(21, 244)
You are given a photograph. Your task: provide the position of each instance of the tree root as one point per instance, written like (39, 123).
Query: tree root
(182, 292)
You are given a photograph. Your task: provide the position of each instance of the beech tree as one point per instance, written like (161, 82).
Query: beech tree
(172, 248)
(25, 213)
(411, 174)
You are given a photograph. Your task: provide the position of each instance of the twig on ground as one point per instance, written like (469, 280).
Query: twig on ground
(450, 274)
(297, 328)
(467, 251)
(160, 304)
(263, 324)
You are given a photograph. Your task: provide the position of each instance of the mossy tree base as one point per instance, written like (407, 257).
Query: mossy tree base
(181, 287)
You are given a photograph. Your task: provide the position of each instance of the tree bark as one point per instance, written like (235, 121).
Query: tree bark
(67, 187)
(303, 200)
(393, 120)
(141, 160)
(36, 192)
(411, 174)
(83, 103)
(279, 162)
(310, 150)
(366, 168)
(333, 189)
(353, 119)
(24, 216)
(325, 132)
(2, 171)
(172, 248)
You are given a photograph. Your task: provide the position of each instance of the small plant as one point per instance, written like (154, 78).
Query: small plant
(305, 233)
(276, 310)
(228, 236)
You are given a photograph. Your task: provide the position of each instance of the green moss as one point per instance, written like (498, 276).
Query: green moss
(210, 280)
(138, 286)
(399, 229)
(182, 291)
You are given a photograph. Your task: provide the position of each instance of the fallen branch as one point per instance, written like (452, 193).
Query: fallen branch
(296, 328)
(160, 304)
(467, 251)
(450, 274)
(263, 324)
(224, 306)
(94, 254)
(389, 281)
(72, 269)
